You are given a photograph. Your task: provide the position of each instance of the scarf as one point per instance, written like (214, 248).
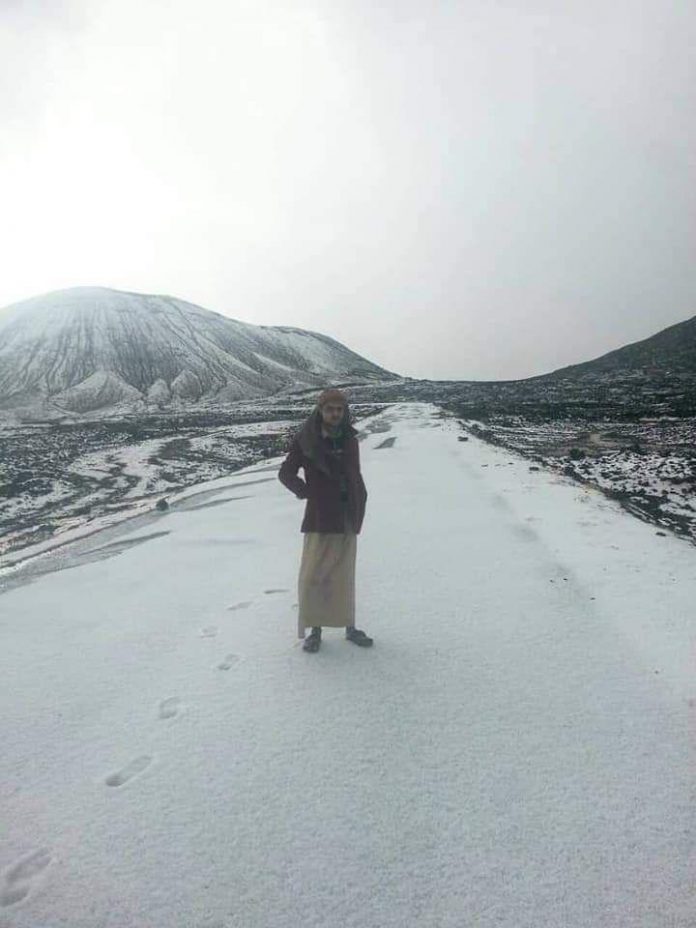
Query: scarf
(310, 438)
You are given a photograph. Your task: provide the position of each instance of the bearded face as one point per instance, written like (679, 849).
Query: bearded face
(332, 414)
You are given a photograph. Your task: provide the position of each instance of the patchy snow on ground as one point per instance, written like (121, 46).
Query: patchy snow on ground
(650, 464)
(517, 748)
(104, 486)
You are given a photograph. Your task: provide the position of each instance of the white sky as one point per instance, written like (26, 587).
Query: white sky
(475, 189)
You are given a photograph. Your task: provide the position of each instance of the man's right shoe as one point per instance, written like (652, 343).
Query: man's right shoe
(358, 637)
(312, 641)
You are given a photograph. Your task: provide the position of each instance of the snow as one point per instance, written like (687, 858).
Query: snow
(517, 749)
(95, 348)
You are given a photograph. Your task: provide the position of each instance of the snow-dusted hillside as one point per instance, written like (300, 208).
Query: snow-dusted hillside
(90, 348)
(515, 751)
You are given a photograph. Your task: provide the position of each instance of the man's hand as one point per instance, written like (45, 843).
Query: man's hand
(288, 471)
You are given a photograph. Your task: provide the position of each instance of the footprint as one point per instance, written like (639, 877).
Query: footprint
(243, 605)
(129, 771)
(228, 661)
(17, 882)
(281, 589)
(525, 532)
(210, 631)
(499, 501)
(169, 707)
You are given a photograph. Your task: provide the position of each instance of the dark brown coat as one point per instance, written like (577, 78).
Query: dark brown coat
(324, 510)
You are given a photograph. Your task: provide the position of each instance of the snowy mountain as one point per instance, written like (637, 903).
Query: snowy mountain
(670, 350)
(515, 751)
(92, 348)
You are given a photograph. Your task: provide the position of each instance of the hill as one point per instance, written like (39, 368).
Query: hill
(91, 348)
(672, 350)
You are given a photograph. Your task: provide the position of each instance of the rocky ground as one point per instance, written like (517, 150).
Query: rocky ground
(649, 466)
(56, 477)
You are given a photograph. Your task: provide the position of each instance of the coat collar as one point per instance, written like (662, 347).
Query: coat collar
(309, 436)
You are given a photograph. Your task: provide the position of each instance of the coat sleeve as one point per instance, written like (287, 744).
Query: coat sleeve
(288, 471)
(360, 476)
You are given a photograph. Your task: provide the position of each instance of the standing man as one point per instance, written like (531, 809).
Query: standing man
(327, 448)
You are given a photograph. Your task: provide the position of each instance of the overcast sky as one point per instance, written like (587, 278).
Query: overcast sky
(477, 189)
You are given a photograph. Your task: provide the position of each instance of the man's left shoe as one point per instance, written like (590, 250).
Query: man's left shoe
(358, 637)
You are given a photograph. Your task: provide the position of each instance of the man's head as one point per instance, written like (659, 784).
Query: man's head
(332, 404)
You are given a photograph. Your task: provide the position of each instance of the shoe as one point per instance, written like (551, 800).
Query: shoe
(312, 641)
(358, 637)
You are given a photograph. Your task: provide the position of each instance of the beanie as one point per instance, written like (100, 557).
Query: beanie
(332, 393)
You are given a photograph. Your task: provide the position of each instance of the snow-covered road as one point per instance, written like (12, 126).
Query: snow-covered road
(517, 749)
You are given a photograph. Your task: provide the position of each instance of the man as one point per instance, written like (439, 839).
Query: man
(327, 448)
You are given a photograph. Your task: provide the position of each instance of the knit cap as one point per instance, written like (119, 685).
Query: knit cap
(332, 394)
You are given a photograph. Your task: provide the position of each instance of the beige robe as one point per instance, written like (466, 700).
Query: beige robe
(326, 582)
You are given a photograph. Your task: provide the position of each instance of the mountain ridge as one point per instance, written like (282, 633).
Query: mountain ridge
(83, 349)
(671, 349)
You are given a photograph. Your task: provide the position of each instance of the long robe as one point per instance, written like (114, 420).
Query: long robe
(326, 581)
